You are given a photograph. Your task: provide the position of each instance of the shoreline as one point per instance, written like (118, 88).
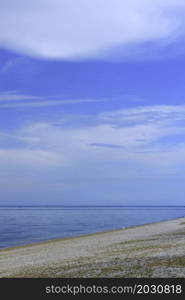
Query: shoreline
(124, 252)
(81, 235)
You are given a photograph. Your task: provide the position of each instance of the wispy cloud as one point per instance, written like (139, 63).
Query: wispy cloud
(115, 139)
(5, 97)
(92, 32)
(13, 100)
(145, 114)
(105, 155)
(7, 66)
(10, 64)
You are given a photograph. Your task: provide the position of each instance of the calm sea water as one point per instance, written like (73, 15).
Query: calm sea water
(21, 225)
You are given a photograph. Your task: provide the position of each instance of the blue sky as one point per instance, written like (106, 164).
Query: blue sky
(92, 102)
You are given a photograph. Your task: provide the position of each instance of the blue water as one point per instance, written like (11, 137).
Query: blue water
(22, 225)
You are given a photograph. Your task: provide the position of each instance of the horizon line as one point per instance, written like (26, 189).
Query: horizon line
(59, 205)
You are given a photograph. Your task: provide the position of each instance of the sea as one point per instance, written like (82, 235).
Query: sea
(20, 225)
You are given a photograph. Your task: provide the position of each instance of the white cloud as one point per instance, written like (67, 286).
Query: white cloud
(4, 97)
(44, 103)
(100, 150)
(157, 115)
(114, 141)
(16, 99)
(68, 29)
(144, 112)
(109, 157)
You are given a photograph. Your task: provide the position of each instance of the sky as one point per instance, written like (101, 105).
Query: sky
(92, 102)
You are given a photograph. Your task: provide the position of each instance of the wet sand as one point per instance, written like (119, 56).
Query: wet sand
(152, 250)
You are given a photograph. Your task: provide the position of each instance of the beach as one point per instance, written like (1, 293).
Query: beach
(152, 250)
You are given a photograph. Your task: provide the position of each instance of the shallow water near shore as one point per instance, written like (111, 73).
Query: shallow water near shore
(21, 225)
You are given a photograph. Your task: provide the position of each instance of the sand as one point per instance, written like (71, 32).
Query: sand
(152, 250)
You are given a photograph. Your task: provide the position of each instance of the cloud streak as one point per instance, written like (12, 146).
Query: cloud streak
(67, 29)
(5, 97)
(18, 100)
